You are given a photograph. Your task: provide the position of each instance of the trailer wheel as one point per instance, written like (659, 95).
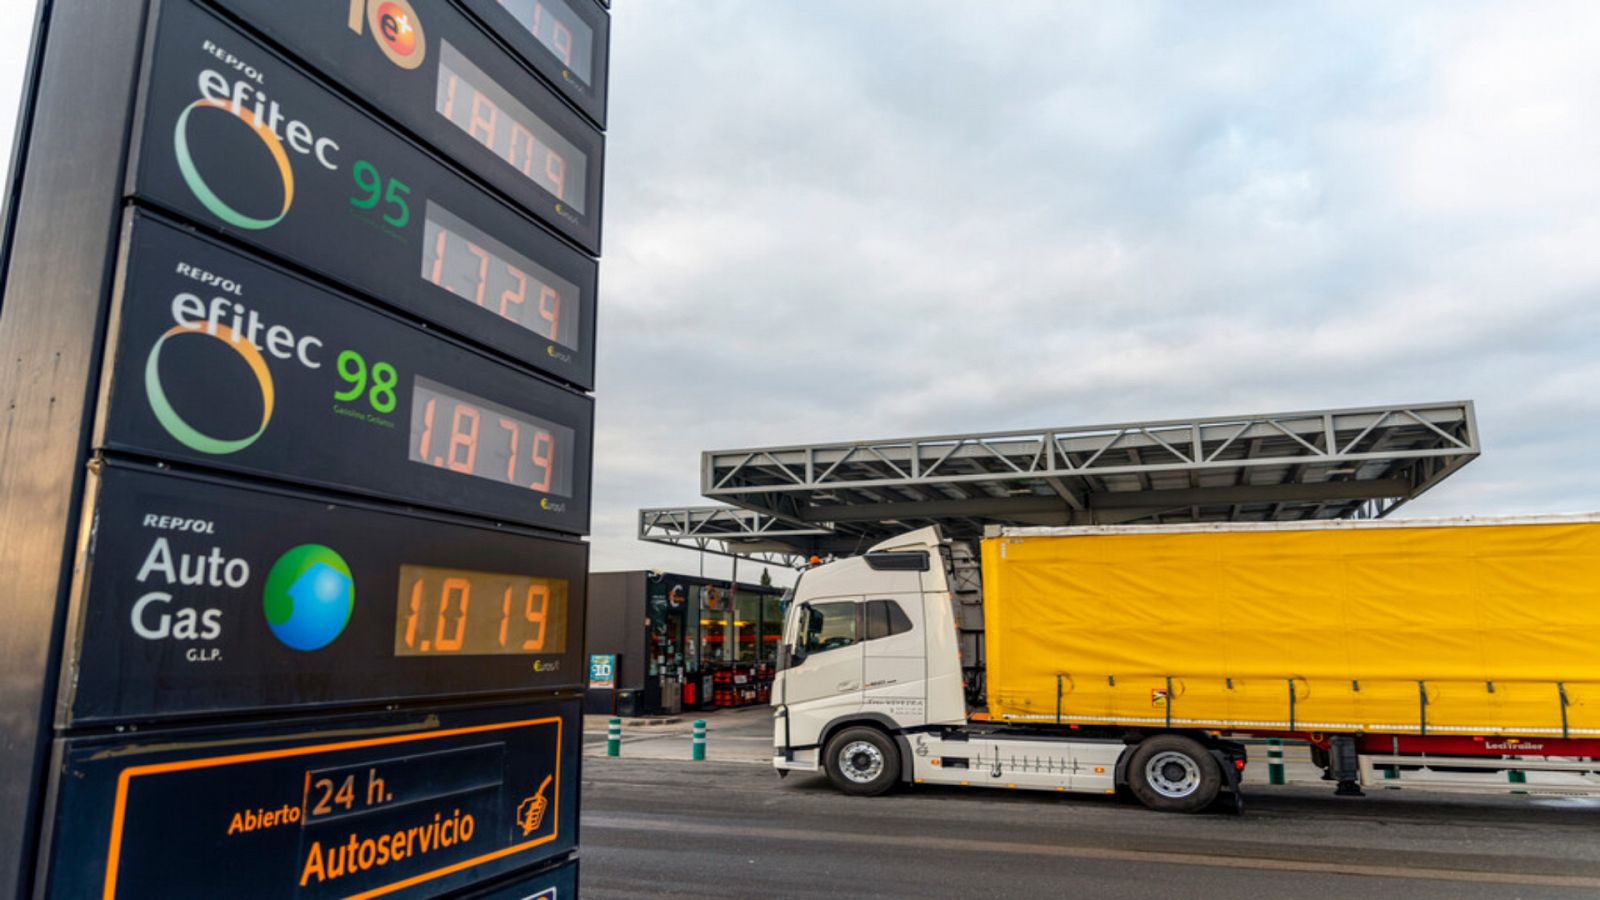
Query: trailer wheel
(1171, 773)
(862, 761)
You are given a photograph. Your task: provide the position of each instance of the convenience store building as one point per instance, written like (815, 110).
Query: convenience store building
(680, 642)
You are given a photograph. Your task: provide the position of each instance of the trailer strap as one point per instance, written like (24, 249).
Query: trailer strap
(1562, 689)
(1169, 701)
(1422, 702)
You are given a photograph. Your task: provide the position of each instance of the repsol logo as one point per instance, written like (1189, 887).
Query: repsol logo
(249, 105)
(179, 523)
(210, 279)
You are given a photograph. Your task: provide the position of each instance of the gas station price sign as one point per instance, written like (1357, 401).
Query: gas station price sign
(222, 360)
(566, 41)
(436, 73)
(403, 805)
(198, 597)
(304, 295)
(238, 139)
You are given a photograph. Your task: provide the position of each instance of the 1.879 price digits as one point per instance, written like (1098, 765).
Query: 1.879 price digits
(450, 439)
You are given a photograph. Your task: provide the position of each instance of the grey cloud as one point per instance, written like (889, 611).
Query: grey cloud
(836, 220)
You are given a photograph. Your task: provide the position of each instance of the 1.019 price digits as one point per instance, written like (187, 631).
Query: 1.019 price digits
(456, 611)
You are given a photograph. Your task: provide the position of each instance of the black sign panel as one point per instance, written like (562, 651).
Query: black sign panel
(200, 597)
(223, 360)
(567, 41)
(436, 73)
(241, 141)
(404, 805)
(559, 883)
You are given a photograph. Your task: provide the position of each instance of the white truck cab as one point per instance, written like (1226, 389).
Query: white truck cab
(870, 690)
(869, 638)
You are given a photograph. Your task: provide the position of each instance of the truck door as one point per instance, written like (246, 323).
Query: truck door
(827, 681)
(895, 661)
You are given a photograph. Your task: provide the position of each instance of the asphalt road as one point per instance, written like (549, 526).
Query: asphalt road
(672, 828)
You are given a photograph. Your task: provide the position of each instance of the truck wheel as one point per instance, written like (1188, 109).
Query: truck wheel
(1170, 773)
(862, 761)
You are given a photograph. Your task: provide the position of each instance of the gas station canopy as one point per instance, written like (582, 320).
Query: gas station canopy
(787, 503)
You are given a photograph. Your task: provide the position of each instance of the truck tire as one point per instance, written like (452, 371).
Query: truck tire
(1171, 773)
(862, 761)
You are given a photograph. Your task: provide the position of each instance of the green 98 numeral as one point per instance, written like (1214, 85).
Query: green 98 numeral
(353, 370)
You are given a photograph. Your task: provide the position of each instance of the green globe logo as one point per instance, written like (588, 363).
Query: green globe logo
(309, 596)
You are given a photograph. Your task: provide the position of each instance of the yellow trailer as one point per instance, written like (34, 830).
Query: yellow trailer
(1421, 627)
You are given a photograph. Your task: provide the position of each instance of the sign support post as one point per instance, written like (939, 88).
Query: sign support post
(295, 360)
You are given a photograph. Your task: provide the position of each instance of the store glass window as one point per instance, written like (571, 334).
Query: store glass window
(715, 639)
(771, 627)
(747, 626)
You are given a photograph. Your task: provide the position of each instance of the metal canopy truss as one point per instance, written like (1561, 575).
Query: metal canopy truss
(730, 531)
(1326, 464)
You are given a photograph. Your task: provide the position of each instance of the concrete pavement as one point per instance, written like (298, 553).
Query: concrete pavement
(672, 828)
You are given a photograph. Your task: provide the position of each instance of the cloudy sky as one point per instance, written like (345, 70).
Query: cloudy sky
(831, 219)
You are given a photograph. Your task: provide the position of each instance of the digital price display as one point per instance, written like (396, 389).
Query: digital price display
(440, 76)
(564, 40)
(404, 804)
(264, 153)
(479, 106)
(449, 428)
(199, 596)
(466, 613)
(559, 29)
(467, 262)
(222, 360)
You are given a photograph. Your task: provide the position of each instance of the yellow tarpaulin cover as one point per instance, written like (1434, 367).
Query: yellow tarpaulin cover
(1448, 629)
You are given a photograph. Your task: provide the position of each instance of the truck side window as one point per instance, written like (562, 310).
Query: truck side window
(831, 626)
(885, 618)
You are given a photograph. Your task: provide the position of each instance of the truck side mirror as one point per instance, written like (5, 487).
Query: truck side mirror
(794, 654)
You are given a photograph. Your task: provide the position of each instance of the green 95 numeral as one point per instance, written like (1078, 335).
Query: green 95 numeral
(373, 190)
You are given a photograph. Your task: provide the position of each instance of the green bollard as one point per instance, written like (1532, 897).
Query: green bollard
(697, 749)
(1274, 760)
(1517, 776)
(614, 737)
